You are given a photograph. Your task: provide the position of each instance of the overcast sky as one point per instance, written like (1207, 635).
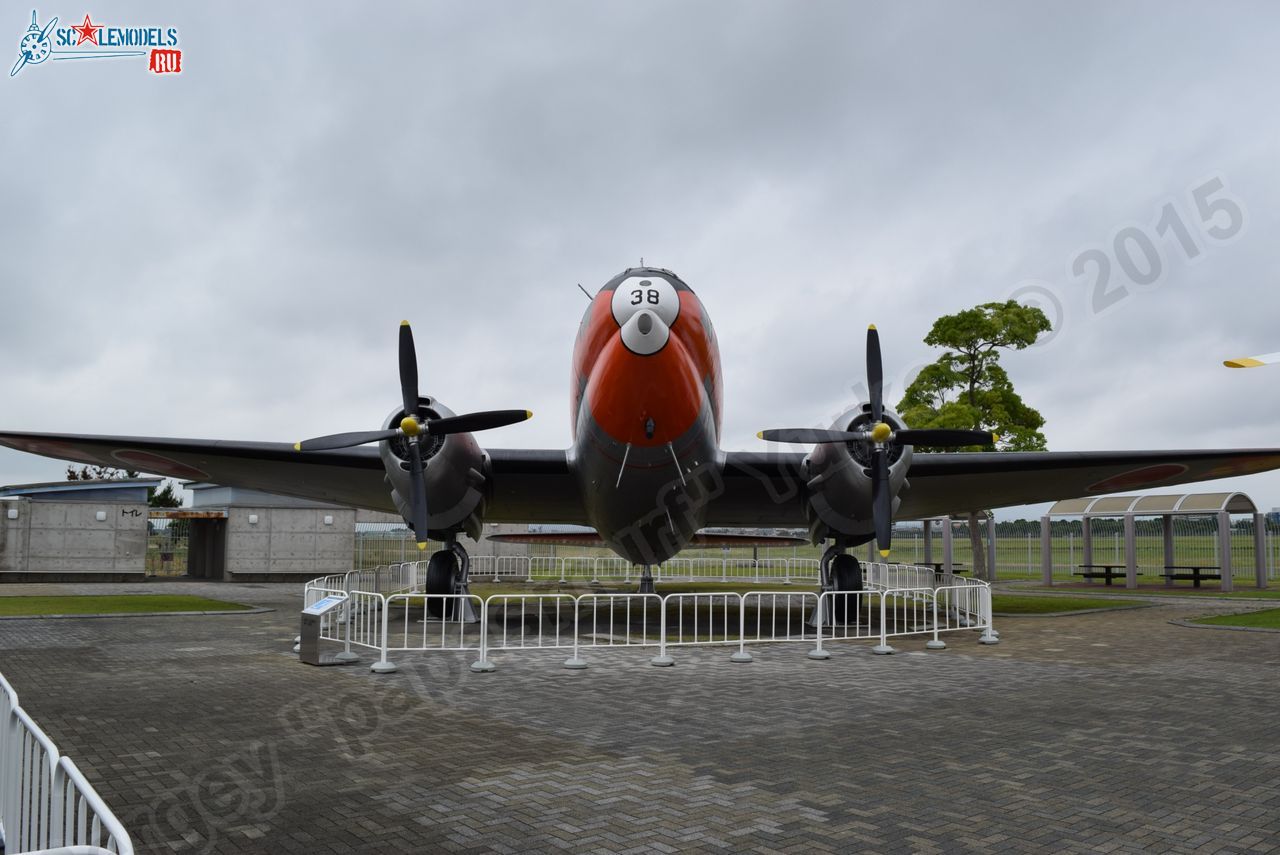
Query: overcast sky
(227, 252)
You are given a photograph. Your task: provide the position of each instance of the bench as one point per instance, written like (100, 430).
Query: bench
(1195, 575)
(1103, 571)
(937, 567)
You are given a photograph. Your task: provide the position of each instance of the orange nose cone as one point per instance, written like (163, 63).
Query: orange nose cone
(644, 399)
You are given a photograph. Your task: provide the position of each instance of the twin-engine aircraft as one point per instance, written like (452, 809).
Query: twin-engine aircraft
(645, 469)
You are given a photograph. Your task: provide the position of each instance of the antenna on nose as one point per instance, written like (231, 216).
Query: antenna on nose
(584, 291)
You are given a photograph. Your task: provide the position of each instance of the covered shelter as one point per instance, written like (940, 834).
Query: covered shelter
(1221, 506)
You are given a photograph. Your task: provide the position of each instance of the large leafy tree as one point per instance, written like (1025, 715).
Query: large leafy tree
(966, 387)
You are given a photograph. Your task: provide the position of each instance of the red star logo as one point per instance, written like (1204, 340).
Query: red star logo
(88, 31)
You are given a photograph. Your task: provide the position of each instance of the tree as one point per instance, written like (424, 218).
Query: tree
(167, 496)
(967, 388)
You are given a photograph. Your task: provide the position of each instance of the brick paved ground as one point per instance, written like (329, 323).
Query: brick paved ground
(1099, 733)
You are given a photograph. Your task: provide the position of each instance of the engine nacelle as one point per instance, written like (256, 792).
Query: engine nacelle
(454, 466)
(838, 476)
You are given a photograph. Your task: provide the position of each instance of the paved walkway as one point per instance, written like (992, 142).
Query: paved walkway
(1098, 733)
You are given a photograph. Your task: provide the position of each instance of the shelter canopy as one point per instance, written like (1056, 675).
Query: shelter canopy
(1154, 505)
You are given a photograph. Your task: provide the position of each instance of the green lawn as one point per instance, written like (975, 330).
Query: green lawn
(1266, 619)
(1013, 604)
(1155, 585)
(118, 604)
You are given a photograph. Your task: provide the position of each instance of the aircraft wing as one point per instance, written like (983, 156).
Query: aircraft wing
(951, 483)
(768, 488)
(526, 485)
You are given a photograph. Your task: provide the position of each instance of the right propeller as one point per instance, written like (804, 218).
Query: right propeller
(414, 428)
(881, 435)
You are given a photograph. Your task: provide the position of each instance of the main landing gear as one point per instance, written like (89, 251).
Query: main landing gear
(838, 573)
(448, 596)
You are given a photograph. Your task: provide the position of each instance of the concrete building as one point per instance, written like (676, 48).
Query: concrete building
(252, 536)
(70, 531)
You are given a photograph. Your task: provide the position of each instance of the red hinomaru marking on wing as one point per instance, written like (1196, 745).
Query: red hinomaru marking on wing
(1137, 478)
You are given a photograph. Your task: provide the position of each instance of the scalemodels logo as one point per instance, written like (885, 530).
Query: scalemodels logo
(90, 40)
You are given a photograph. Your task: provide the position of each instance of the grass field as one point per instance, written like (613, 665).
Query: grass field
(1265, 619)
(119, 604)
(1013, 604)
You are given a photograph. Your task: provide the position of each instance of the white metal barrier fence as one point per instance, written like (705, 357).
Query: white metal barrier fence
(898, 601)
(45, 803)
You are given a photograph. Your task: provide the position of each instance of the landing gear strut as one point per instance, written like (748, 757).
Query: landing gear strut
(838, 573)
(447, 573)
(646, 581)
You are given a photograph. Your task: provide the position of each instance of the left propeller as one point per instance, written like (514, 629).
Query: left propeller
(881, 435)
(414, 428)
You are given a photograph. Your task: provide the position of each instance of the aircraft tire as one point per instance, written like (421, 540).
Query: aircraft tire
(846, 574)
(442, 569)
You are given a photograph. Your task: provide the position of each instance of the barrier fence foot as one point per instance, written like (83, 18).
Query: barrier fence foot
(383, 667)
(883, 649)
(575, 663)
(935, 644)
(988, 638)
(346, 656)
(483, 666)
(297, 644)
(741, 656)
(662, 661)
(817, 653)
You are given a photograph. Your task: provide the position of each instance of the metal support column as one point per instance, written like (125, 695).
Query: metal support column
(1260, 549)
(1166, 531)
(1046, 551)
(948, 554)
(1224, 549)
(928, 541)
(991, 548)
(1086, 541)
(1130, 552)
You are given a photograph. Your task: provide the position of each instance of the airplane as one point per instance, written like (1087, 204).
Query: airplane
(645, 470)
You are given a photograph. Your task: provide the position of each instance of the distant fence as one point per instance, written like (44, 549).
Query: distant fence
(45, 803)
(898, 601)
(1017, 553)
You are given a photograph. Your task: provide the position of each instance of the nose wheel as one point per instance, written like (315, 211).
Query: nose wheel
(447, 589)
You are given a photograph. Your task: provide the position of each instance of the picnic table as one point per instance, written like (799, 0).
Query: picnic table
(1103, 571)
(1195, 573)
(937, 566)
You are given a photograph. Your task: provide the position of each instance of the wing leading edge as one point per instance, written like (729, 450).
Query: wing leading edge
(769, 488)
(526, 485)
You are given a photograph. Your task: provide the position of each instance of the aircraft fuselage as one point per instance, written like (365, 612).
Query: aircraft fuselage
(646, 405)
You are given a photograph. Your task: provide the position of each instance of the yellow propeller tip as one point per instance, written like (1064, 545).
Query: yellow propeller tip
(884, 553)
(1243, 362)
(871, 326)
(995, 437)
(759, 434)
(528, 414)
(297, 446)
(404, 323)
(422, 545)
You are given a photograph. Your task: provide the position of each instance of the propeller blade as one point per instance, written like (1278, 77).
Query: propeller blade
(471, 422)
(875, 374)
(944, 437)
(809, 435)
(1252, 361)
(417, 494)
(881, 500)
(344, 440)
(408, 370)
